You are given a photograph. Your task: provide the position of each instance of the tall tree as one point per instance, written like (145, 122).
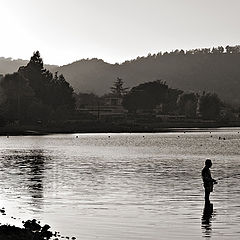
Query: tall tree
(50, 90)
(60, 93)
(39, 78)
(17, 96)
(34, 89)
(118, 88)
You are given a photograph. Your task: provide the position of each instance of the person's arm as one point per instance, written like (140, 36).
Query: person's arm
(211, 179)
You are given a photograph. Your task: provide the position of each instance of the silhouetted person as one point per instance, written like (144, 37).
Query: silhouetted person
(208, 181)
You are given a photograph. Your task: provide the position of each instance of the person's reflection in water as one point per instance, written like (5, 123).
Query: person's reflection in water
(207, 220)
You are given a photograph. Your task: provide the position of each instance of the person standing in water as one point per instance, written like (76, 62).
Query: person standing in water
(208, 181)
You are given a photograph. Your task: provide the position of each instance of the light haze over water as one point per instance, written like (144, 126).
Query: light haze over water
(122, 186)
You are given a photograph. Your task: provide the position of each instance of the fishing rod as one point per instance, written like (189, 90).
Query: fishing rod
(228, 176)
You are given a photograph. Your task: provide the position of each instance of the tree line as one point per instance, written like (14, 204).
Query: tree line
(207, 69)
(198, 51)
(150, 95)
(173, 101)
(34, 94)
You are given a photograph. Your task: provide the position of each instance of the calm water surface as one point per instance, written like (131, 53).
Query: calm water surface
(123, 186)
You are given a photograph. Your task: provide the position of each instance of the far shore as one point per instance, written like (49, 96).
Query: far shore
(105, 127)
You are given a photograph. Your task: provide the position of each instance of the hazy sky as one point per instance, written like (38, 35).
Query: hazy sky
(114, 30)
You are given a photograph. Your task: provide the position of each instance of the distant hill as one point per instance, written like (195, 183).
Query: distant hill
(9, 65)
(93, 75)
(216, 70)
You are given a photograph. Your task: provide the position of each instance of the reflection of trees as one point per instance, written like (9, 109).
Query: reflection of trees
(28, 167)
(36, 164)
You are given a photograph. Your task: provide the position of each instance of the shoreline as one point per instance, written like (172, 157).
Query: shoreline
(30, 230)
(104, 127)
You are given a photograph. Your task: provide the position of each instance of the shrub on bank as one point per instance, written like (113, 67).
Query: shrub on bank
(31, 231)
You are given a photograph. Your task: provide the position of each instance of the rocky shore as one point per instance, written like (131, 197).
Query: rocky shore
(31, 230)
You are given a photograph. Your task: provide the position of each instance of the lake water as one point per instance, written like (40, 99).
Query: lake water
(123, 186)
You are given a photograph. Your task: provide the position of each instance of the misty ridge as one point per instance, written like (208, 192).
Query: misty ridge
(213, 70)
(9, 65)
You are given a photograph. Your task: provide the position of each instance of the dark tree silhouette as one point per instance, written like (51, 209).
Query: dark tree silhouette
(149, 95)
(210, 106)
(37, 76)
(170, 106)
(86, 99)
(61, 93)
(17, 96)
(34, 94)
(187, 104)
(54, 91)
(118, 88)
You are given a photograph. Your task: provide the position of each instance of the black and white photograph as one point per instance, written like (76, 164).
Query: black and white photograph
(119, 119)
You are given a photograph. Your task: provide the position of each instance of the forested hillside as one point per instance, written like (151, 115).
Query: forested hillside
(215, 70)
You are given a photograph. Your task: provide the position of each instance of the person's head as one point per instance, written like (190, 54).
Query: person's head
(208, 163)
